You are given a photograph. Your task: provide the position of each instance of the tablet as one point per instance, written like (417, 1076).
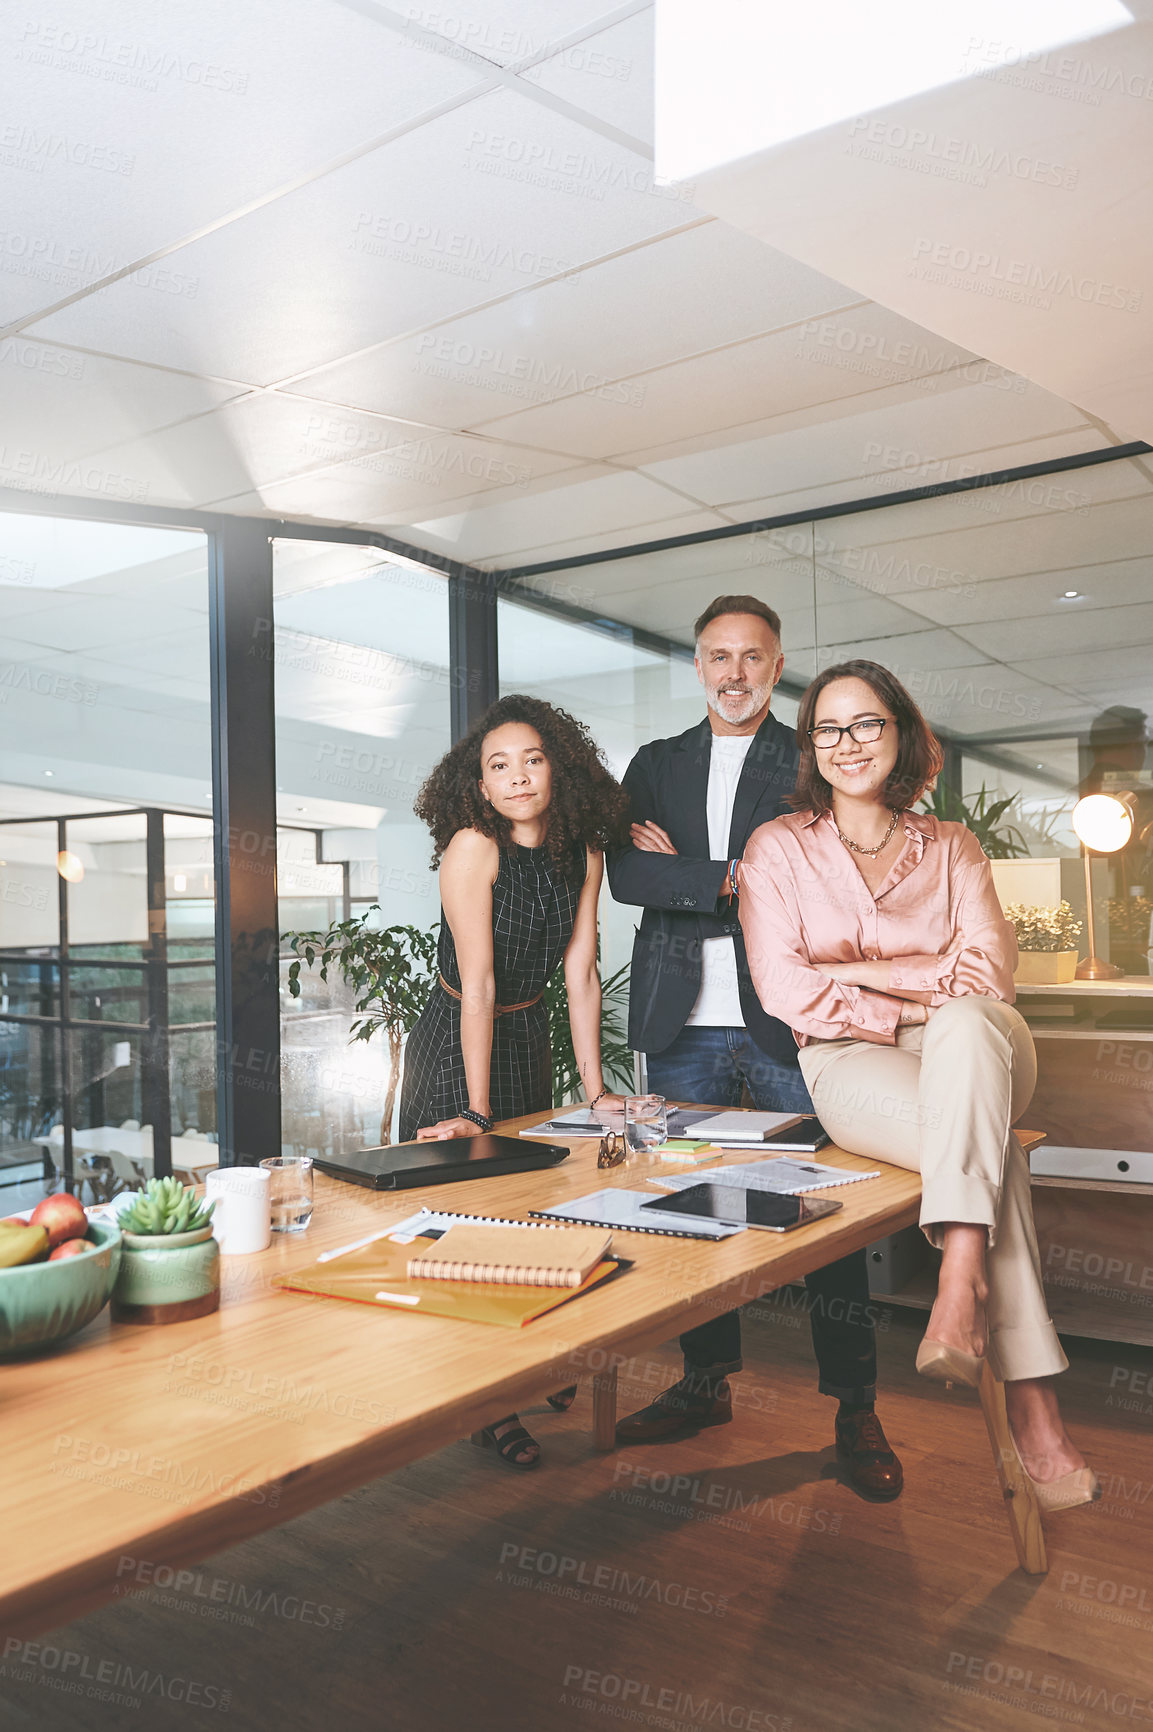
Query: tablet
(744, 1208)
(403, 1166)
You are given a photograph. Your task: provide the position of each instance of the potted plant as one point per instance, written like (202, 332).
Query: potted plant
(170, 1262)
(999, 840)
(391, 971)
(616, 1053)
(1047, 942)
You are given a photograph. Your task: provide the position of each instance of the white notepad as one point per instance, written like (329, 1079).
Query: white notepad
(742, 1127)
(788, 1178)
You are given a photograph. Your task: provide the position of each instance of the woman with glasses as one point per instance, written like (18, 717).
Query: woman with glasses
(521, 810)
(875, 932)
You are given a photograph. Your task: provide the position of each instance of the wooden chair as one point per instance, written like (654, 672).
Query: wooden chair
(1021, 1506)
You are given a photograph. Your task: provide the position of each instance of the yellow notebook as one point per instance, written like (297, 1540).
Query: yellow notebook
(511, 1256)
(378, 1275)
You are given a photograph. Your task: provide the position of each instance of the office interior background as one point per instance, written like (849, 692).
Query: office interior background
(395, 405)
(360, 363)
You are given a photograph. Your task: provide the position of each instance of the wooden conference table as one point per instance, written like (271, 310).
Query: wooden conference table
(169, 1443)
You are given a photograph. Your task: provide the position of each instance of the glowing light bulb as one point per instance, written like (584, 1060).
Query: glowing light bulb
(1102, 823)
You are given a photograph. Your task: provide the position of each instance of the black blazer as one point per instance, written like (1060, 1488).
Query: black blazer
(668, 782)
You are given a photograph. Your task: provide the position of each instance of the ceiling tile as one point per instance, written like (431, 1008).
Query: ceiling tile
(956, 429)
(405, 474)
(1065, 632)
(621, 501)
(773, 374)
(482, 201)
(609, 75)
(714, 286)
(503, 31)
(108, 104)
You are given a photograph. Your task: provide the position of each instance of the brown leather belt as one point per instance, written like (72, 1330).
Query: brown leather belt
(498, 1009)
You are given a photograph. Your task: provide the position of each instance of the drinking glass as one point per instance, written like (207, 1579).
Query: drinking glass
(646, 1122)
(289, 1192)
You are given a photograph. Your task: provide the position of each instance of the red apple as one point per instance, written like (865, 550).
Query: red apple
(70, 1248)
(62, 1217)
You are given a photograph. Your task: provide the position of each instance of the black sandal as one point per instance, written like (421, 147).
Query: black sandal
(509, 1445)
(563, 1399)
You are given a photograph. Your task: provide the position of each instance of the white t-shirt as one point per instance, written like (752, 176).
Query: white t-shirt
(719, 1000)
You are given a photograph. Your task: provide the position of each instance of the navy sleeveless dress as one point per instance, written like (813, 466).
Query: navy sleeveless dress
(534, 907)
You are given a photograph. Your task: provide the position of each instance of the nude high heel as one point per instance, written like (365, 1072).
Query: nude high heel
(1080, 1485)
(944, 1364)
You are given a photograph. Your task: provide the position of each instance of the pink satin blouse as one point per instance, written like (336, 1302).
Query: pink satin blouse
(936, 917)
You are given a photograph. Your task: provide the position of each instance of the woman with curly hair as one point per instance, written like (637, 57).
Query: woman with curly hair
(521, 811)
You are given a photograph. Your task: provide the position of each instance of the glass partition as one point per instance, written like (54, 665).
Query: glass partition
(105, 693)
(362, 693)
(1021, 618)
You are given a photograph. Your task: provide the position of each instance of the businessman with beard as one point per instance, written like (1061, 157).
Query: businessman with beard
(696, 800)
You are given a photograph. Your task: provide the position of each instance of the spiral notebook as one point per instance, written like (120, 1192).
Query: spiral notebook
(512, 1256)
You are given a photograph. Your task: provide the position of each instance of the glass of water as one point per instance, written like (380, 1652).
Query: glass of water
(289, 1192)
(646, 1122)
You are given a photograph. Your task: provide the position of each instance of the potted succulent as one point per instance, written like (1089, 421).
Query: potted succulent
(169, 1264)
(1046, 942)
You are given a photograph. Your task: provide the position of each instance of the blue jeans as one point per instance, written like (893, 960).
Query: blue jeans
(710, 1066)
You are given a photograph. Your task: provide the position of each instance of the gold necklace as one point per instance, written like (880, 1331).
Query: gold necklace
(856, 846)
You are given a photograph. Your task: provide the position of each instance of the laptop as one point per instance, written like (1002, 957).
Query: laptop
(403, 1166)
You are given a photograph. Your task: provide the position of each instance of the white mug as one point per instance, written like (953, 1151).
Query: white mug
(242, 1219)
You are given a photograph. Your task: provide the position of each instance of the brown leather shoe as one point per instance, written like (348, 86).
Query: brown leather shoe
(690, 1405)
(863, 1451)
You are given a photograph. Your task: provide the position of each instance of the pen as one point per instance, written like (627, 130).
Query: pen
(399, 1298)
(357, 1244)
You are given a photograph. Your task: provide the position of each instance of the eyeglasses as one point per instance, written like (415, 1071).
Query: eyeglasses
(611, 1150)
(826, 737)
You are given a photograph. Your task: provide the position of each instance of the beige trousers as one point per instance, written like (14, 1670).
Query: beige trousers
(942, 1102)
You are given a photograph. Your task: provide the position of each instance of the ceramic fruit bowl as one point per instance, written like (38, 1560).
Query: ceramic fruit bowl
(43, 1303)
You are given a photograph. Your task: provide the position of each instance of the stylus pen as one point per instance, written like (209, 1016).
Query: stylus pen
(327, 1256)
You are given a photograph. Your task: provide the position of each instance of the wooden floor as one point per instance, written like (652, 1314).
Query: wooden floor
(725, 1581)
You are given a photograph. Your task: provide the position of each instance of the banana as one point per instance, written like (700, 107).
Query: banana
(22, 1245)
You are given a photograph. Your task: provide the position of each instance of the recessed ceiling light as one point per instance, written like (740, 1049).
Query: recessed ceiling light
(1070, 595)
(50, 772)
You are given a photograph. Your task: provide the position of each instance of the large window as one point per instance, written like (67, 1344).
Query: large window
(107, 998)
(362, 692)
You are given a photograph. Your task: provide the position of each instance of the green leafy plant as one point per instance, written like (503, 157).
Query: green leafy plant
(1042, 928)
(166, 1206)
(390, 970)
(982, 816)
(616, 1054)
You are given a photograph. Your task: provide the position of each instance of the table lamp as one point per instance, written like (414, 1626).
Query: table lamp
(1103, 824)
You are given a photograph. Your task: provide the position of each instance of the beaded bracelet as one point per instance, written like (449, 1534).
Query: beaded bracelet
(599, 1097)
(476, 1119)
